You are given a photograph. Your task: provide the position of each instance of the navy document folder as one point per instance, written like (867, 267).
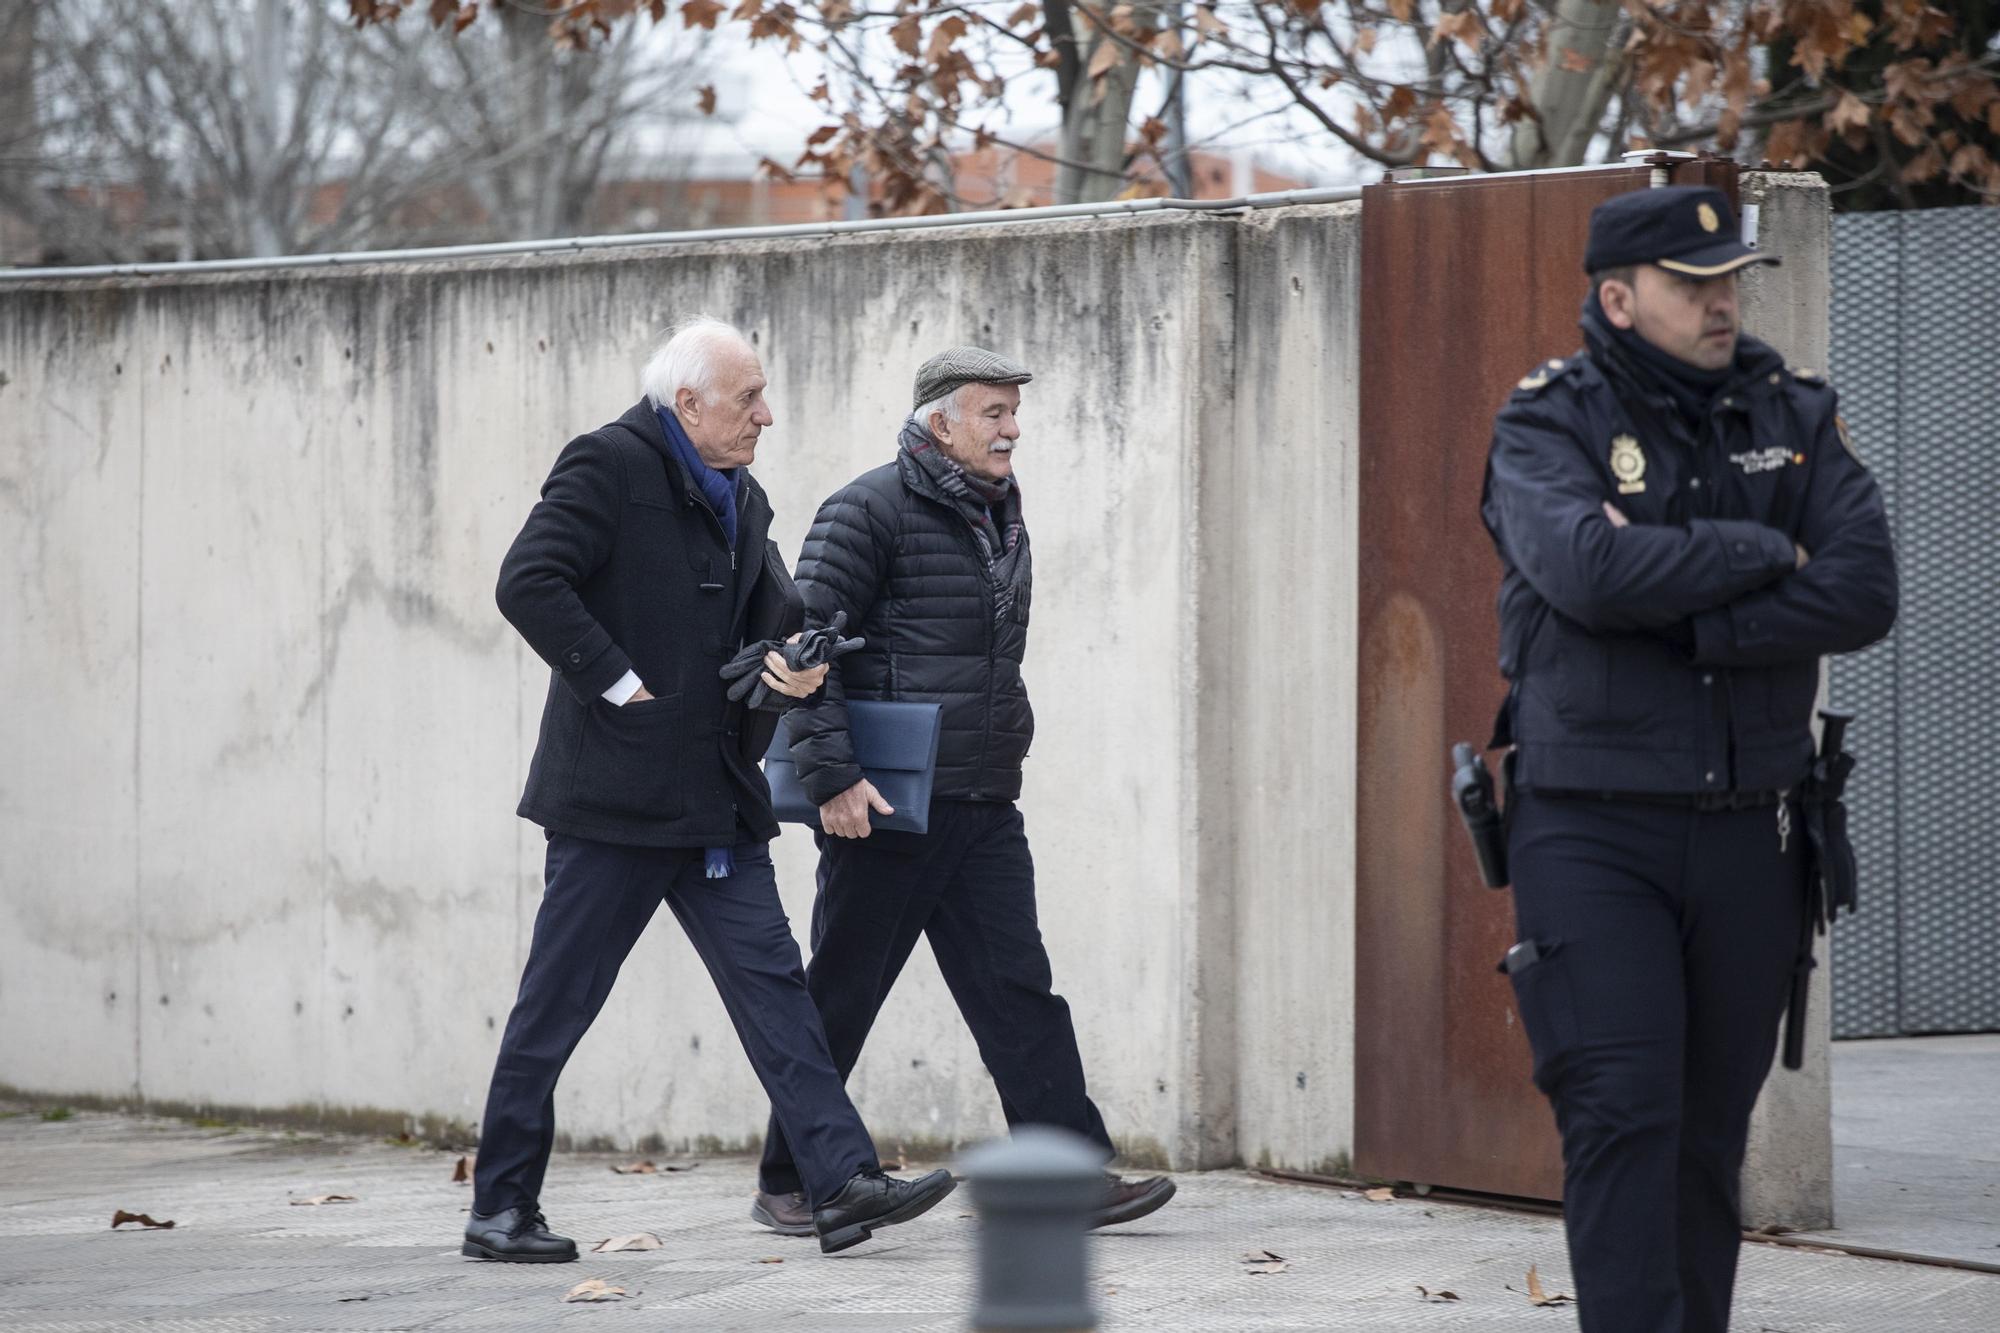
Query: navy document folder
(896, 745)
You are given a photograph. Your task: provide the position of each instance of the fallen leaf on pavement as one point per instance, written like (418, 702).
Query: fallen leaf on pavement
(1382, 1195)
(318, 1199)
(638, 1240)
(462, 1173)
(121, 1217)
(637, 1169)
(1260, 1262)
(1535, 1294)
(1436, 1297)
(770, 1259)
(596, 1289)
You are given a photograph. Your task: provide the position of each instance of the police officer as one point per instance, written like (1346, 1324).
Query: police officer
(1684, 530)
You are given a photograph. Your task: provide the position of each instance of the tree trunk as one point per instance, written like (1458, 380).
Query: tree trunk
(20, 136)
(1093, 134)
(1572, 88)
(267, 205)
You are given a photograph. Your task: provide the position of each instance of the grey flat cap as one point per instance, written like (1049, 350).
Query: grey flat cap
(960, 366)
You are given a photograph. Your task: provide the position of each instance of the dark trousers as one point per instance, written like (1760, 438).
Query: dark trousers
(969, 884)
(599, 898)
(1668, 938)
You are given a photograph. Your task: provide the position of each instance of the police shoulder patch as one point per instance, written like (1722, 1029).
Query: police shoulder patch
(1806, 376)
(1541, 376)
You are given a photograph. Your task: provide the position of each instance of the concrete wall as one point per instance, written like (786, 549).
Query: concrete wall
(257, 845)
(1790, 1178)
(258, 829)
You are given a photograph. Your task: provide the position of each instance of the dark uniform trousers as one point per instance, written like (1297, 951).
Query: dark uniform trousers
(1668, 937)
(969, 884)
(598, 900)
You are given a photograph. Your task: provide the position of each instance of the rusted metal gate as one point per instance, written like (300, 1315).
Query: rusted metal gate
(1466, 284)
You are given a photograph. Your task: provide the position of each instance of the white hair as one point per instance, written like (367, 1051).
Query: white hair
(687, 360)
(948, 404)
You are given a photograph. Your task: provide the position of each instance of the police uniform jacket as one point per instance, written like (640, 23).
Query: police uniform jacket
(1679, 654)
(622, 565)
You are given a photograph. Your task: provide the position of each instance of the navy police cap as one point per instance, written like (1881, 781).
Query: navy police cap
(1686, 229)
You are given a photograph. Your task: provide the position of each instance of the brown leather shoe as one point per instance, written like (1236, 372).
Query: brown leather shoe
(786, 1214)
(1130, 1200)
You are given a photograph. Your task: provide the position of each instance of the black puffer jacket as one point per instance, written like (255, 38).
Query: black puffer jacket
(891, 551)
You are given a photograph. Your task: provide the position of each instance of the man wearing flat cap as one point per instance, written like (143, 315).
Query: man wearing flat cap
(928, 557)
(1684, 530)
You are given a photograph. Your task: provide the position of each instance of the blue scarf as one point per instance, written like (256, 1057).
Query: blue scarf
(720, 489)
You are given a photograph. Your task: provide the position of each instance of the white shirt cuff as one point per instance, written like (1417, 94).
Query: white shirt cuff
(622, 691)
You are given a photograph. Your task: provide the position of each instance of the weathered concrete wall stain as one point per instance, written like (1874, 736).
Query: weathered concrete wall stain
(259, 847)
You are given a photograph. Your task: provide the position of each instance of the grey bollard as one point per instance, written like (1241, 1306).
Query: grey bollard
(1034, 1193)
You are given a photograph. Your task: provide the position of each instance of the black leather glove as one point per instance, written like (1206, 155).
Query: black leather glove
(745, 671)
(821, 646)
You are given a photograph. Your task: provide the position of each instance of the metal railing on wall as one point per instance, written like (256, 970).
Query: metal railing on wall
(640, 240)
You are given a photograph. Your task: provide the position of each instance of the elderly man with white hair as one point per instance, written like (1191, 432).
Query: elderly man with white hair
(644, 569)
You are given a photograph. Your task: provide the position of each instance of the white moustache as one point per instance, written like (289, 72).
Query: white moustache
(1001, 447)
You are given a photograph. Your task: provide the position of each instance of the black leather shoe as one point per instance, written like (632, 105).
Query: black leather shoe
(786, 1214)
(1130, 1200)
(516, 1236)
(872, 1200)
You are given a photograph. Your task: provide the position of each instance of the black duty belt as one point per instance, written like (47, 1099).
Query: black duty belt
(1688, 800)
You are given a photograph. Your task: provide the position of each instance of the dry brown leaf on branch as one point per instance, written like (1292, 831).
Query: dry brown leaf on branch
(1027, 13)
(595, 1289)
(638, 1240)
(1464, 26)
(943, 36)
(1167, 45)
(318, 1199)
(121, 1217)
(906, 33)
(1364, 41)
(645, 1168)
(1108, 54)
(1260, 1263)
(461, 1174)
(1849, 113)
(704, 99)
(1436, 1297)
(1206, 24)
(701, 13)
(1382, 1195)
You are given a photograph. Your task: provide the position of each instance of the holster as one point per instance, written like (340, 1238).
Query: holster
(1832, 880)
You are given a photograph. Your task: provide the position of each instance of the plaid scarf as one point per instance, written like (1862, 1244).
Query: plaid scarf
(993, 508)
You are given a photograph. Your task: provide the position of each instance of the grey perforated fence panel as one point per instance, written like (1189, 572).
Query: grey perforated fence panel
(1916, 356)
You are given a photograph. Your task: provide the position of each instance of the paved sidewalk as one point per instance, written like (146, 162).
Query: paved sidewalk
(1916, 1146)
(244, 1258)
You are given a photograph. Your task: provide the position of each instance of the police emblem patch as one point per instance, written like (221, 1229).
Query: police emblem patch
(1628, 464)
(1705, 213)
